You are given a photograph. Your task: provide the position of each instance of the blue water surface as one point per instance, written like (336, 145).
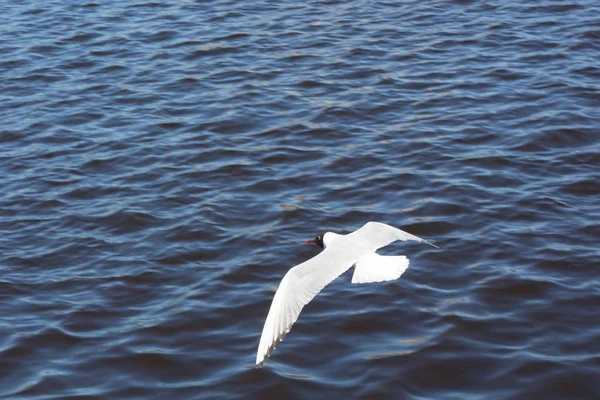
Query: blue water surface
(161, 164)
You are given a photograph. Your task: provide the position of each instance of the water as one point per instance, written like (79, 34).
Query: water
(162, 162)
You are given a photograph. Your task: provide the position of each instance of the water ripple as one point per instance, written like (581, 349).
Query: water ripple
(162, 164)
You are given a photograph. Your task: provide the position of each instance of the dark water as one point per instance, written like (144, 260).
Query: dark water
(162, 162)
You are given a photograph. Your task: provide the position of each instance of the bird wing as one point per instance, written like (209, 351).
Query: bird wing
(375, 235)
(297, 288)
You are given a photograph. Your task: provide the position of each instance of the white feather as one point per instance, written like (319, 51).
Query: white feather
(302, 283)
(376, 268)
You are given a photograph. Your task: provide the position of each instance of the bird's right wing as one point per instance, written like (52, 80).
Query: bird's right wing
(297, 288)
(375, 235)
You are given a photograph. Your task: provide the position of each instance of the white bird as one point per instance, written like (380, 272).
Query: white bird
(302, 283)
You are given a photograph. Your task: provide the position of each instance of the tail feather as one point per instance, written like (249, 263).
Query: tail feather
(376, 268)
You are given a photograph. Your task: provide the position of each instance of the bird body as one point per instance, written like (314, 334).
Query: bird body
(302, 283)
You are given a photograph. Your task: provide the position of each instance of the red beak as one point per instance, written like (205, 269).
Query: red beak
(310, 241)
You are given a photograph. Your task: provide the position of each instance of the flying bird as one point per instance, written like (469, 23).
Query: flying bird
(341, 252)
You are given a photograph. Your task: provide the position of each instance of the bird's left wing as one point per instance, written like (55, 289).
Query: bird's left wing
(297, 288)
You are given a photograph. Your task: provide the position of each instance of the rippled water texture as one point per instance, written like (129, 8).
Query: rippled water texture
(161, 164)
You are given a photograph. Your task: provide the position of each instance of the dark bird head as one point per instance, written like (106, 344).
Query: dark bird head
(318, 240)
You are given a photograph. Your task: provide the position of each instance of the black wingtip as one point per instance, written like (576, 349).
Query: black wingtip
(271, 348)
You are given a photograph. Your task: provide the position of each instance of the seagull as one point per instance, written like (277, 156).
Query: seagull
(341, 252)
